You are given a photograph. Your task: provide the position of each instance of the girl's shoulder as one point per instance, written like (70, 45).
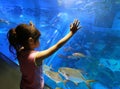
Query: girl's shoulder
(24, 53)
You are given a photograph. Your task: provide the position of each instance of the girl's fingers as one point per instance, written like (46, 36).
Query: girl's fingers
(76, 22)
(71, 25)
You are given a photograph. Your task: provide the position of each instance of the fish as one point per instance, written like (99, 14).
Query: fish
(47, 68)
(4, 21)
(74, 75)
(55, 76)
(78, 54)
(73, 56)
(58, 88)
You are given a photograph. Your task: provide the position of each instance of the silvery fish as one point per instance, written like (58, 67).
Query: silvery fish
(74, 75)
(78, 55)
(4, 21)
(58, 88)
(47, 68)
(54, 76)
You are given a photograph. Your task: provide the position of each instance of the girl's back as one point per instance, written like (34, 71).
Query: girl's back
(31, 74)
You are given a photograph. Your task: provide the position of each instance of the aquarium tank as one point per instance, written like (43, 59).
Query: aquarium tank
(90, 59)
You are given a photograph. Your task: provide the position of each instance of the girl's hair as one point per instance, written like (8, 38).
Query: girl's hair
(18, 37)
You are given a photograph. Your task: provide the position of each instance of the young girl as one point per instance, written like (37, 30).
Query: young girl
(24, 39)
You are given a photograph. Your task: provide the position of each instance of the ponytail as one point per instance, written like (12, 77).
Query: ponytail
(18, 37)
(12, 38)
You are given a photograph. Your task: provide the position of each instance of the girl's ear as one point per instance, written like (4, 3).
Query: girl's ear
(30, 40)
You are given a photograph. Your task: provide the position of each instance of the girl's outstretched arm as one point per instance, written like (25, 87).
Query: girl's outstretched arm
(46, 53)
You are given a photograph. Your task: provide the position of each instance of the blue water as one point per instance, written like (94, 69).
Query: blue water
(99, 38)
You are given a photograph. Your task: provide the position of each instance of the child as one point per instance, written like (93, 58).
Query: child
(24, 39)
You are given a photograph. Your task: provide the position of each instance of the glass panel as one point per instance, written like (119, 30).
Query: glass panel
(91, 54)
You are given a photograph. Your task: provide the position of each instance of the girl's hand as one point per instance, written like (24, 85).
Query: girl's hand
(75, 26)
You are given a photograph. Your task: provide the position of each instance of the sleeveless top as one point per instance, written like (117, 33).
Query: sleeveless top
(31, 74)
